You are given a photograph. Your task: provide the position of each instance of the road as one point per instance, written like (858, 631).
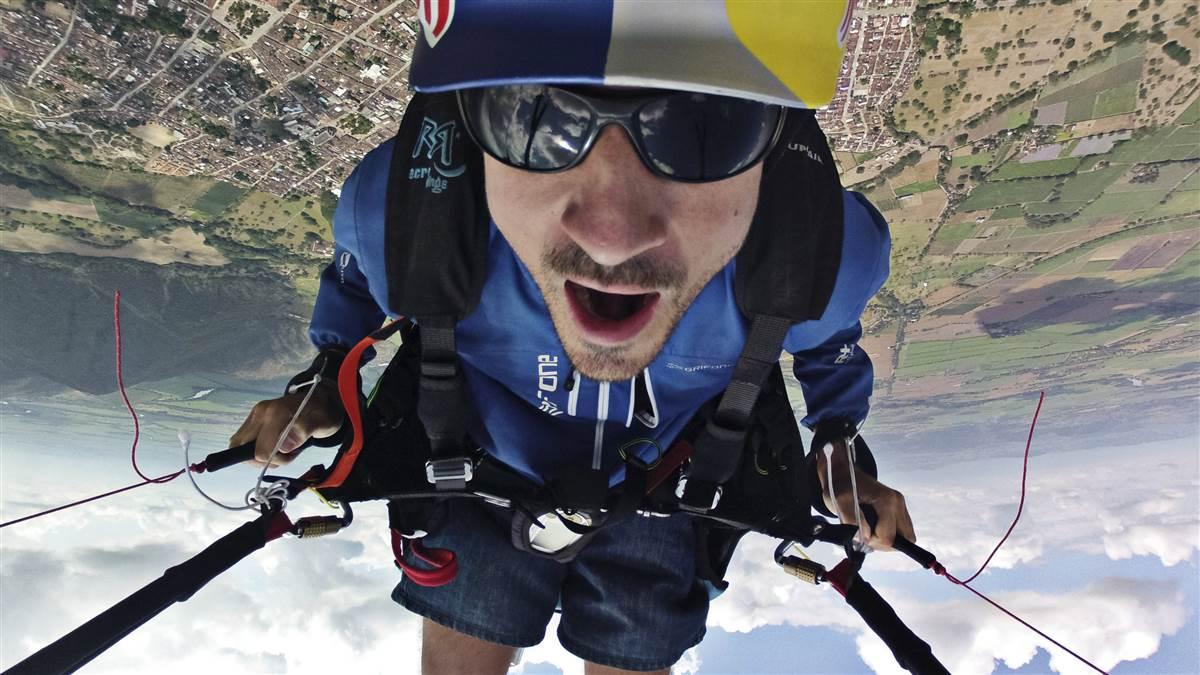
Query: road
(54, 52)
(321, 59)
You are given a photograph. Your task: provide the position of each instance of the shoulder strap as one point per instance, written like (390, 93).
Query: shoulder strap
(718, 448)
(437, 216)
(789, 262)
(786, 272)
(436, 260)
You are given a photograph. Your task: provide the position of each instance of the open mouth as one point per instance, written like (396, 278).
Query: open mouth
(610, 317)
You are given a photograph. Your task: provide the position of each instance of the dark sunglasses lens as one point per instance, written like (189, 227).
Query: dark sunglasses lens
(705, 137)
(531, 127)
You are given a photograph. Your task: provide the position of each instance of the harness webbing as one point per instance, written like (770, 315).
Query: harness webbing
(442, 404)
(718, 449)
(348, 389)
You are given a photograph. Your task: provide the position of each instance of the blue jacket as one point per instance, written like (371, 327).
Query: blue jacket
(516, 369)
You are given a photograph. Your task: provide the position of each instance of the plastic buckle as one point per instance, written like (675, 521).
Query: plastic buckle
(449, 474)
(681, 491)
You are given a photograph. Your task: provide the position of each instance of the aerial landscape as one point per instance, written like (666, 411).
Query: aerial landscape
(1038, 163)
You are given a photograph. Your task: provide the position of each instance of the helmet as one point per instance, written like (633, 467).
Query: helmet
(787, 52)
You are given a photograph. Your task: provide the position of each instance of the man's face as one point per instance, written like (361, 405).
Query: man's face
(618, 253)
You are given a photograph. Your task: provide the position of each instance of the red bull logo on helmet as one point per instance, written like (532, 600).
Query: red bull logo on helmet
(435, 16)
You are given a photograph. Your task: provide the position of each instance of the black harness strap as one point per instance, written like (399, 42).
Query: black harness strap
(718, 449)
(442, 405)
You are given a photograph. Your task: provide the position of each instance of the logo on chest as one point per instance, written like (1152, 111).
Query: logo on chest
(547, 378)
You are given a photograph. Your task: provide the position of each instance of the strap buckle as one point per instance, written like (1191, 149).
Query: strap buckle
(449, 474)
(687, 500)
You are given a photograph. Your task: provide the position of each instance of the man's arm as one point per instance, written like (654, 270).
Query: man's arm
(345, 312)
(836, 377)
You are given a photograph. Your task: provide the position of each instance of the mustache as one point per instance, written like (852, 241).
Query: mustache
(642, 271)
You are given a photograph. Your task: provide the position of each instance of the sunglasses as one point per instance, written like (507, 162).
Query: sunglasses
(680, 136)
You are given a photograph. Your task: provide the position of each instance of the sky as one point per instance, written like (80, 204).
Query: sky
(1104, 559)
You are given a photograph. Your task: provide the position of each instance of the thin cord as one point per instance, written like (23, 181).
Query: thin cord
(160, 479)
(137, 430)
(1021, 504)
(1023, 622)
(260, 494)
(938, 568)
(185, 440)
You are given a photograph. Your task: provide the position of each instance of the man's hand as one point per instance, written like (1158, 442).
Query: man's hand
(320, 418)
(887, 503)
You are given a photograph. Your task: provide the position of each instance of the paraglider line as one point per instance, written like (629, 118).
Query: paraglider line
(137, 430)
(160, 479)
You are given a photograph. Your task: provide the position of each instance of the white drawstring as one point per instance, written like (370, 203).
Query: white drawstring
(261, 494)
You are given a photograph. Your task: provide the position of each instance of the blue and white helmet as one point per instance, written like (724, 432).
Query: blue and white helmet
(787, 52)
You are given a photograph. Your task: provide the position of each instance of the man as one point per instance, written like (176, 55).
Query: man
(607, 317)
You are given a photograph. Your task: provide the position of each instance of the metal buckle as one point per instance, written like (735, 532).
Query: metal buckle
(455, 469)
(681, 487)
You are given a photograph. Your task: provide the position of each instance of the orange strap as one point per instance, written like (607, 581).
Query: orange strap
(348, 389)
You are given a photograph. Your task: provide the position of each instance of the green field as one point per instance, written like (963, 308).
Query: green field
(1191, 114)
(1118, 68)
(1059, 207)
(967, 161)
(219, 198)
(1131, 204)
(1018, 117)
(1175, 225)
(1006, 212)
(955, 231)
(990, 195)
(1180, 202)
(914, 188)
(1052, 167)
(1080, 109)
(1170, 174)
(1167, 143)
(202, 198)
(1084, 187)
(1118, 100)
(1039, 346)
(1192, 182)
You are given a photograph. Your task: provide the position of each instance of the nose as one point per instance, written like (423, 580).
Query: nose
(617, 208)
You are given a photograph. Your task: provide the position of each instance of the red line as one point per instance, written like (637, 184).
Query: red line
(160, 479)
(137, 430)
(1021, 504)
(1023, 622)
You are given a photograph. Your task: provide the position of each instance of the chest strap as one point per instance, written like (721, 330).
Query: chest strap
(718, 448)
(442, 405)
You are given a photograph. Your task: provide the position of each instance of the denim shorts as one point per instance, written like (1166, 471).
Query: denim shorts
(629, 600)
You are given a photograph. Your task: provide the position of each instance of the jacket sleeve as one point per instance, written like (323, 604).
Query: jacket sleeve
(836, 378)
(346, 311)
(835, 374)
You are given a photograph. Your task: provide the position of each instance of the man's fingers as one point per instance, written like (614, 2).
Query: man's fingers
(885, 531)
(268, 437)
(849, 515)
(249, 429)
(906, 525)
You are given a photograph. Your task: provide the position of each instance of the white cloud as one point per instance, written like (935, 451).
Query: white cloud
(308, 607)
(1110, 621)
(1112, 503)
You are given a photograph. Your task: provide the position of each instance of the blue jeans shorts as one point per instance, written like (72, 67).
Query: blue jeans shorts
(629, 600)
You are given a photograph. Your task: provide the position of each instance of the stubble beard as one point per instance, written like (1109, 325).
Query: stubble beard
(607, 363)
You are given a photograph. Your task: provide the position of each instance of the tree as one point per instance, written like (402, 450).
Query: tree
(1176, 51)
